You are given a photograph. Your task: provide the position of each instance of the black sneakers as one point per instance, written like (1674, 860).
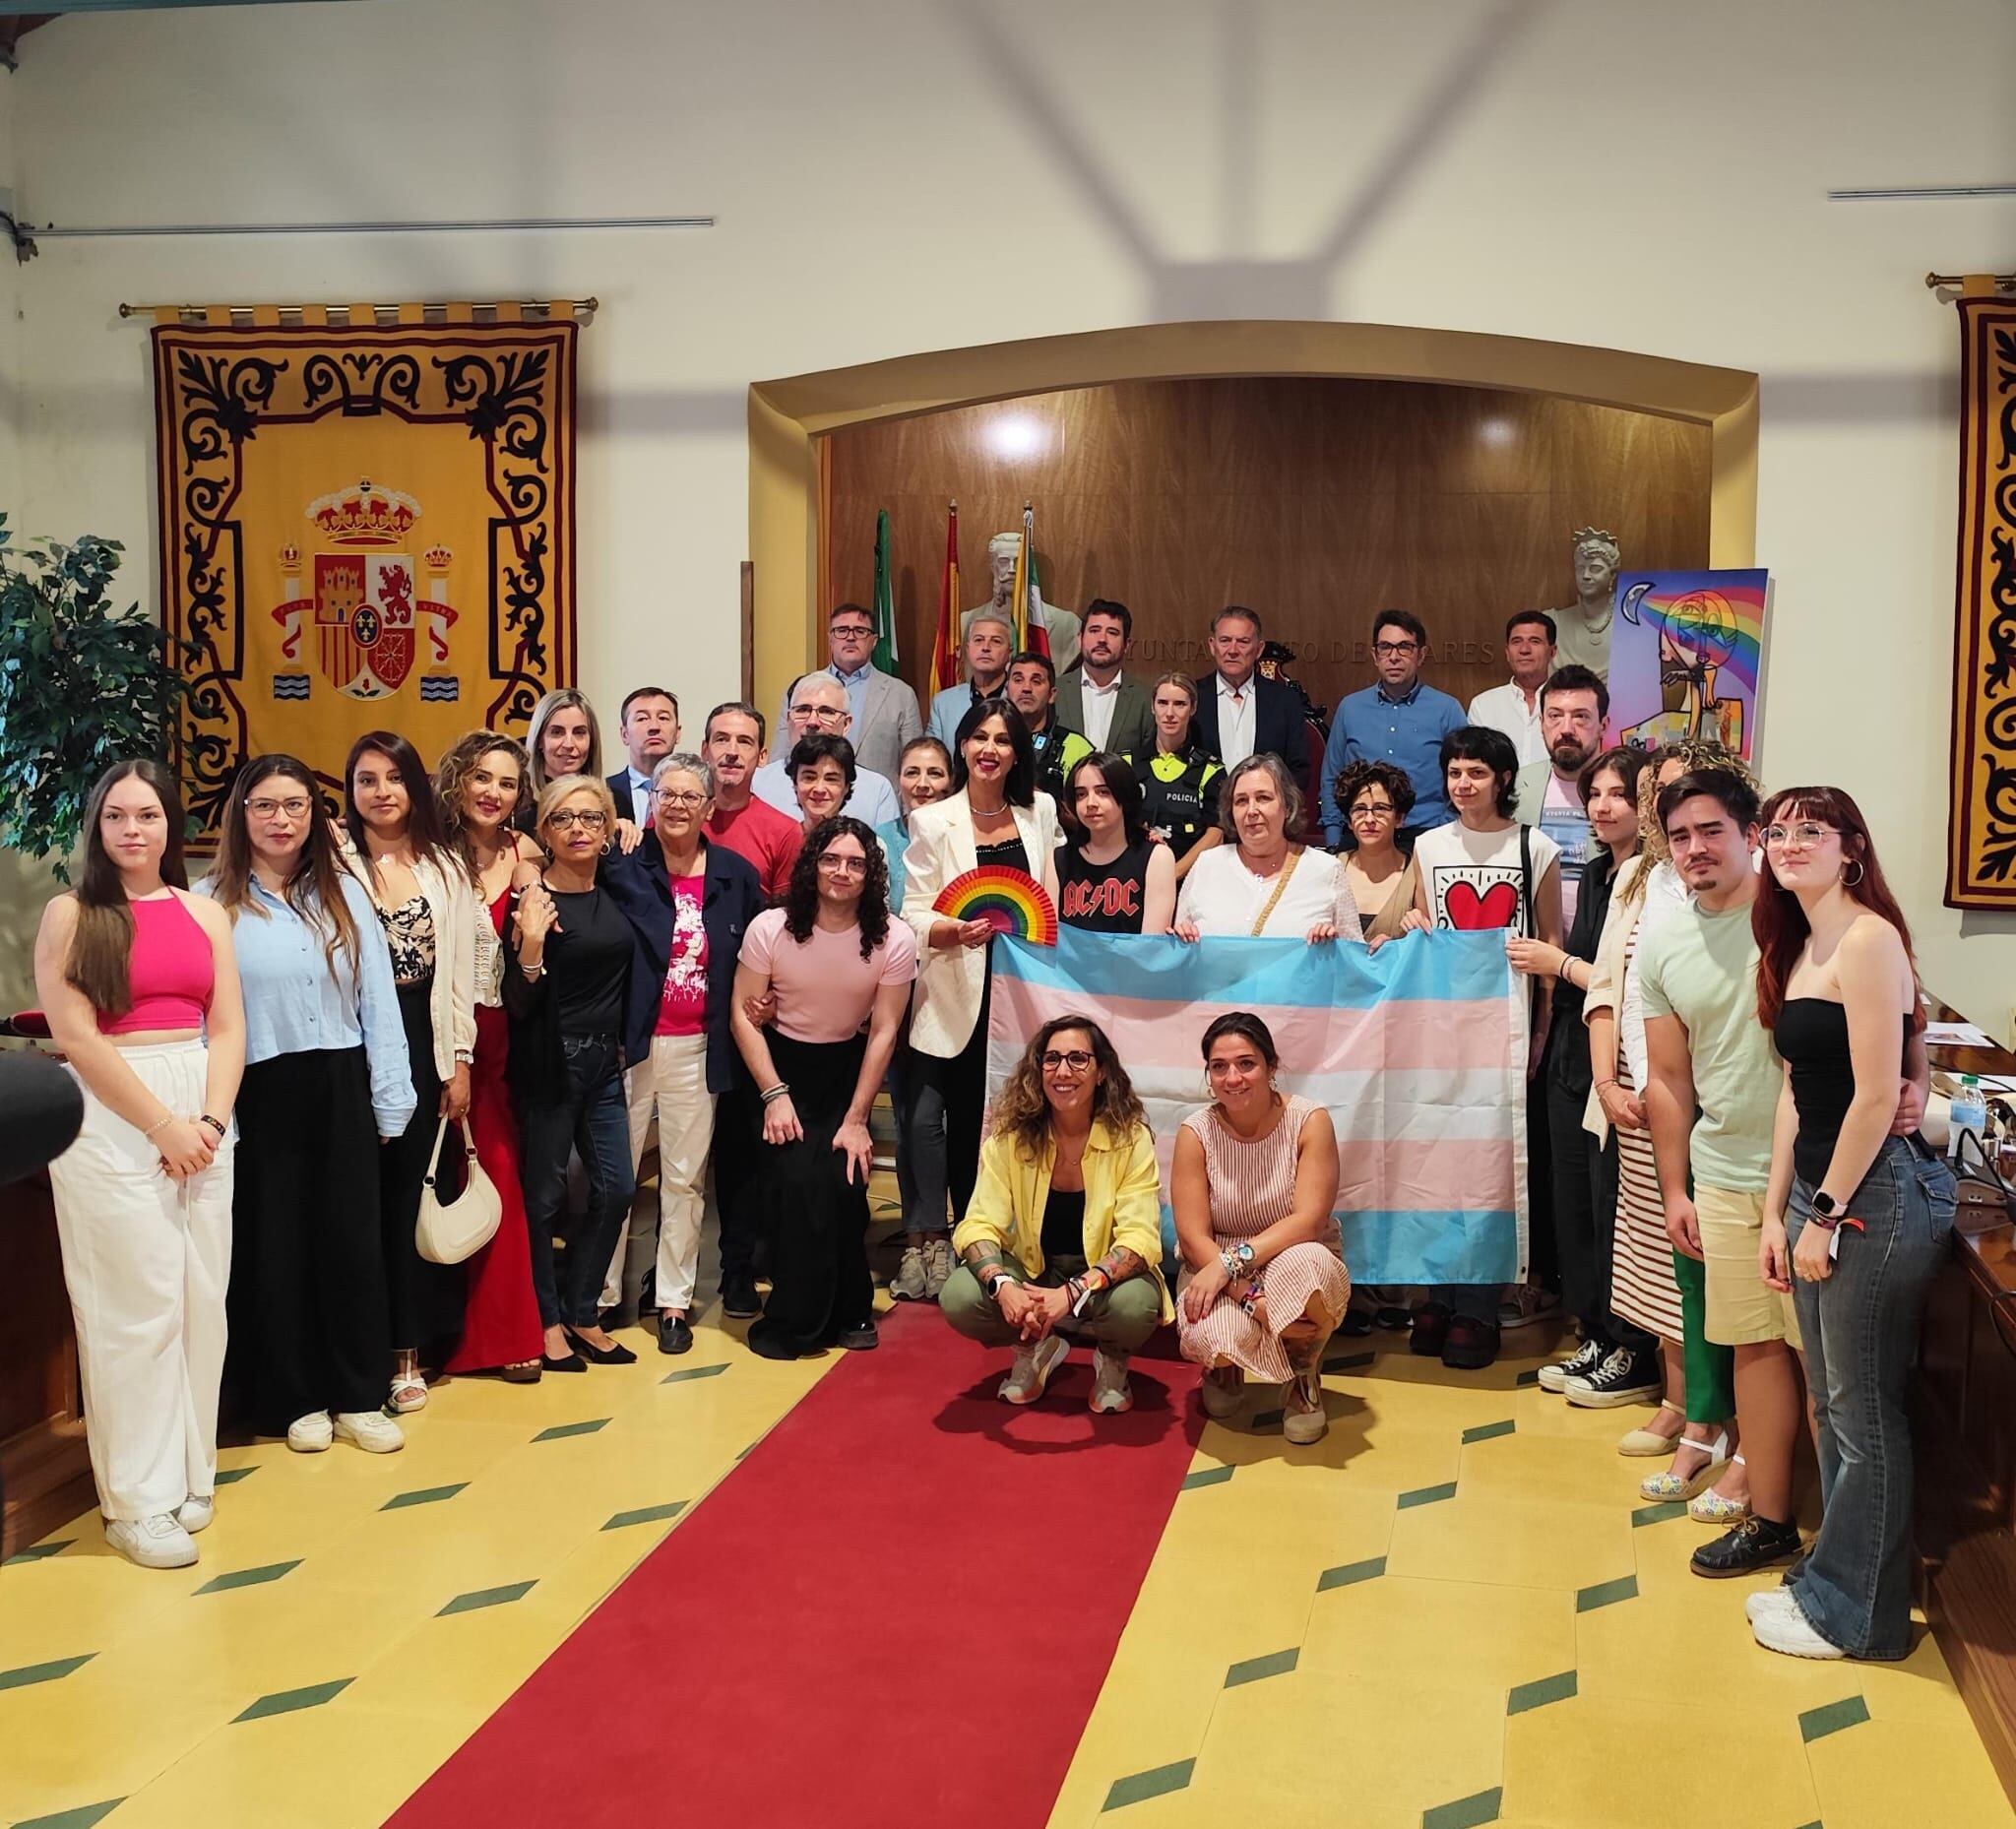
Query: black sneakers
(1623, 1377)
(740, 1301)
(1754, 1543)
(1588, 1357)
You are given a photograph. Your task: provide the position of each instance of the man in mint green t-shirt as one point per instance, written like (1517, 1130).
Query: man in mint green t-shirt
(1711, 1101)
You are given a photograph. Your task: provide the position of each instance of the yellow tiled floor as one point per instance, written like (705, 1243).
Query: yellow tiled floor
(1445, 1614)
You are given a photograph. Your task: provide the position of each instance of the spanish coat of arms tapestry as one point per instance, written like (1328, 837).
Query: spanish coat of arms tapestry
(364, 527)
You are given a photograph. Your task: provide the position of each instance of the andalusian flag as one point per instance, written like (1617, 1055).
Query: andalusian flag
(885, 598)
(945, 647)
(1031, 633)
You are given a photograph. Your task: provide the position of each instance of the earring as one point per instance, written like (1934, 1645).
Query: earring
(1860, 873)
(608, 845)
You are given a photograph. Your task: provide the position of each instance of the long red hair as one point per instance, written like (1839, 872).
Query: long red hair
(1776, 918)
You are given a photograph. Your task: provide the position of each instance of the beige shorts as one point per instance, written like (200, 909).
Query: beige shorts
(1742, 1308)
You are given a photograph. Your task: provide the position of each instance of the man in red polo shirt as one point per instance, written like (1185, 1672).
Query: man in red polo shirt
(732, 746)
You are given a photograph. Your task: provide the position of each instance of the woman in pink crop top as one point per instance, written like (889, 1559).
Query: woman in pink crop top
(139, 983)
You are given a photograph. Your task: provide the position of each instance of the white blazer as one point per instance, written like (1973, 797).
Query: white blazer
(952, 979)
(452, 995)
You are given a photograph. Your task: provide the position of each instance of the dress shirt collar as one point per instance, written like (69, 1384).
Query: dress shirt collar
(1407, 697)
(858, 677)
(1226, 688)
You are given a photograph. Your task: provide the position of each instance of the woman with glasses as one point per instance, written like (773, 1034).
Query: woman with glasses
(1856, 1219)
(567, 987)
(1254, 1186)
(1264, 882)
(139, 983)
(394, 843)
(691, 904)
(1063, 1236)
(1113, 877)
(327, 1081)
(1179, 778)
(1375, 798)
(839, 966)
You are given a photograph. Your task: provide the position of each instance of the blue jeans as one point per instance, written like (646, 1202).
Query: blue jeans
(592, 1118)
(1861, 1341)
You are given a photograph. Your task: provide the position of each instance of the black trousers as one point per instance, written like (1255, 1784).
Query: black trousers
(947, 1098)
(307, 1308)
(424, 1300)
(737, 1137)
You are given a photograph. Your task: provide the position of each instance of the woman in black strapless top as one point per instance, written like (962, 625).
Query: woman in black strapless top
(1857, 1213)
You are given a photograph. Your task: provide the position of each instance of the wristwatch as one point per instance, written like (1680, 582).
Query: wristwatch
(996, 1279)
(1826, 1210)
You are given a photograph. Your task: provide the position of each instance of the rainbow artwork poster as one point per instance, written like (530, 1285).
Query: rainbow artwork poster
(1686, 651)
(1009, 901)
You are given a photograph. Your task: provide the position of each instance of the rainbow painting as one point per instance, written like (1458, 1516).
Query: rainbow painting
(1008, 901)
(1685, 648)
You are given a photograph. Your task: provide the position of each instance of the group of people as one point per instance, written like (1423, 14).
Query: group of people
(736, 955)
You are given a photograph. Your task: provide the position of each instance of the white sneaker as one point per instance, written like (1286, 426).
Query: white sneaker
(1579, 1364)
(371, 1429)
(194, 1514)
(1033, 1368)
(1110, 1395)
(1768, 1601)
(310, 1434)
(1787, 1629)
(153, 1543)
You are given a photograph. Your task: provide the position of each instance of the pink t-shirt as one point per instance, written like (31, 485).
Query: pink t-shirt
(682, 1004)
(824, 988)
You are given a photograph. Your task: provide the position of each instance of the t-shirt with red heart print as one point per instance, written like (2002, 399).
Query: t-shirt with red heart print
(1473, 878)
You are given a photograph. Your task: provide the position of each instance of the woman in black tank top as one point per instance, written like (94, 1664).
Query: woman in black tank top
(1857, 1213)
(1113, 877)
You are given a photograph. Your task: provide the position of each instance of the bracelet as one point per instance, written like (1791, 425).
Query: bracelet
(779, 1091)
(216, 1124)
(160, 1123)
(1600, 1084)
(535, 971)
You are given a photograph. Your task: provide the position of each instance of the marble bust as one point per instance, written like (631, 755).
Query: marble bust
(1581, 631)
(1062, 626)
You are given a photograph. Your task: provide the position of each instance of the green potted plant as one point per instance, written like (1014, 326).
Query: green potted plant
(82, 687)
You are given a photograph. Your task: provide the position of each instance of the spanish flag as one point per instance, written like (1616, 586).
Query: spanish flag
(1031, 633)
(945, 648)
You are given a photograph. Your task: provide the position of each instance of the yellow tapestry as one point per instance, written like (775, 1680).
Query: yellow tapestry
(1981, 870)
(362, 527)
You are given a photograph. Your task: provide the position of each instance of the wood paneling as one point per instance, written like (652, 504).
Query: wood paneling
(44, 1470)
(1315, 501)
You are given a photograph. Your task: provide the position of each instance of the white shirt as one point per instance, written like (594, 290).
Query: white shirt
(873, 801)
(640, 799)
(1504, 708)
(1234, 724)
(1098, 704)
(1473, 879)
(1221, 896)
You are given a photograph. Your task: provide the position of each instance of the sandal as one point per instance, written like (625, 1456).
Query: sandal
(1647, 1442)
(1667, 1486)
(1714, 1508)
(521, 1372)
(409, 1393)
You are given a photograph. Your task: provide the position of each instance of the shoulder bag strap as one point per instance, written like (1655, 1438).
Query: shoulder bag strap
(1526, 877)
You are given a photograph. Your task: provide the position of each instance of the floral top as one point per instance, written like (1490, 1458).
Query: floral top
(683, 1003)
(409, 934)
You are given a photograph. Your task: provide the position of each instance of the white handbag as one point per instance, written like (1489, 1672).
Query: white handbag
(448, 1231)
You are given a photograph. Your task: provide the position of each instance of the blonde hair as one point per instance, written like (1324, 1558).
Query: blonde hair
(558, 789)
(1690, 752)
(562, 698)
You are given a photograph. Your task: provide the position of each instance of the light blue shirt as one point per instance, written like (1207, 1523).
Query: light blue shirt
(295, 1004)
(1404, 731)
(873, 801)
(857, 684)
(640, 798)
(947, 709)
(895, 840)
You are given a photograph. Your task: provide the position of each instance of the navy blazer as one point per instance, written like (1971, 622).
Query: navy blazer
(1279, 727)
(731, 900)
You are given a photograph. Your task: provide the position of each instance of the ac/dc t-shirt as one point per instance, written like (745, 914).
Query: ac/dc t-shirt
(1102, 897)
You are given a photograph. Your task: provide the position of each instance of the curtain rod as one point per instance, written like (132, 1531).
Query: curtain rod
(435, 313)
(1934, 281)
(500, 224)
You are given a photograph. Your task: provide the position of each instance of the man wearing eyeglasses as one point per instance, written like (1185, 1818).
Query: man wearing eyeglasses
(1400, 720)
(884, 709)
(818, 707)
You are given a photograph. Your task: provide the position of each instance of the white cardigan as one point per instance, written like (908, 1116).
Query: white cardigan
(952, 979)
(452, 995)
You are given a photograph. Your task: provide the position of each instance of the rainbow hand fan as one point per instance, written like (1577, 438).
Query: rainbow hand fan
(1009, 901)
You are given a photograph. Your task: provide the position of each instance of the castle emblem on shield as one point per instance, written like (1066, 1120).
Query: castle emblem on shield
(370, 622)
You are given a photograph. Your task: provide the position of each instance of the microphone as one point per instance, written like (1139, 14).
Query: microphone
(41, 1110)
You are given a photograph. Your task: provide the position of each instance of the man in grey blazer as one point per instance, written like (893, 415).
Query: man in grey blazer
(885, 714)
(1094, 697)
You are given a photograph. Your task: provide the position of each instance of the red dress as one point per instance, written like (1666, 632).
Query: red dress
(501, 1324)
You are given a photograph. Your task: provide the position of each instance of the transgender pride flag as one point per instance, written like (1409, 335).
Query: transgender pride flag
(1418, 1052)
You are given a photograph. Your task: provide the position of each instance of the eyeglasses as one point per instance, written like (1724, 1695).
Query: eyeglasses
(567, 817)
(855, 629)
(685, 796)
(1805, 835)
(1076, 1061)
(269, 809)
(821, 714)
(844, 866)
(1393, 650)
(1372, 809)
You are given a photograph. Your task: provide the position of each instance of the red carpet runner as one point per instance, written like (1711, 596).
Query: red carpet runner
(805, 1652)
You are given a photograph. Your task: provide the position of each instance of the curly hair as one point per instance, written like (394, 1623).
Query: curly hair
(801, 898)
(453, 770)
(1023, 1109)
(1691, 753)
(1354, 781)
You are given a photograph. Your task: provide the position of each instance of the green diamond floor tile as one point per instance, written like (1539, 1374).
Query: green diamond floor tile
(1521, 1382)
(286, 1701)
(1347, 1573)
(486, 1597)
(423, 1495)
(1489, 1431)
(1464, 1813)
(1606, 1593)
(1252, 1669)
(1427, 1496)
(1817, 1722)
(562, 1430)
(248, 1577)
(1348, 1362)
(647, 1514)
(1205, 1476)
(1539, 1693)
(1265, 1420)
(82, 1817)
(39, 1553)
(26, 1674)
(694, 1371)
(230, 1476)
(1658, 1514)
(1139, 1787)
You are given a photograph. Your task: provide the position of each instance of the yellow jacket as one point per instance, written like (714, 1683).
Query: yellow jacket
(1122, 1201)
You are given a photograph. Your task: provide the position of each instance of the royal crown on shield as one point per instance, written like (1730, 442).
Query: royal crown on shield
(369, 617)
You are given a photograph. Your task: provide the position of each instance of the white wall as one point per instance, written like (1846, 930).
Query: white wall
(897, 175)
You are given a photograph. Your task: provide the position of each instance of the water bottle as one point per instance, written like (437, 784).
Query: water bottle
(1969, 1113)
